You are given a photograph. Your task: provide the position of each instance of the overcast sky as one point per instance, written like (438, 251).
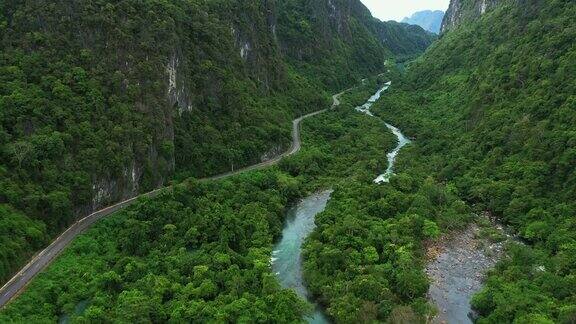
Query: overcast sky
(398, 9)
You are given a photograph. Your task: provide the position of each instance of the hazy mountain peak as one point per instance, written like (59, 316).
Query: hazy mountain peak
(428, 19)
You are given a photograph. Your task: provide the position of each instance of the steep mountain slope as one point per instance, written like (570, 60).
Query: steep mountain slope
(337, 40)
(466, 11)
(327, 40)
(427, 19)
(391, 33)
(492, 108)
(100, 100)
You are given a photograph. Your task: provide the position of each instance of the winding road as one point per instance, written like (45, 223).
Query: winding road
(294, 148)
(41, 260)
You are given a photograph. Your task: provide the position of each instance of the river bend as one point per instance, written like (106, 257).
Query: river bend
(287, 256)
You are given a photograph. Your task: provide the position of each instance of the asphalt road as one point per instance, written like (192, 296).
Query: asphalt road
(41, 260)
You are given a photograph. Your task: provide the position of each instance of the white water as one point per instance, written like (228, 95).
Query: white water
(402, 140)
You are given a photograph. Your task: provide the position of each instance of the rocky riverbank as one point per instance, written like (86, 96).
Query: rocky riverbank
(457, 267)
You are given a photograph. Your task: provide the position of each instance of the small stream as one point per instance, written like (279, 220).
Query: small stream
(402, 140)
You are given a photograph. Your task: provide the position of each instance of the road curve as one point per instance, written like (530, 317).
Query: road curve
(41, 260)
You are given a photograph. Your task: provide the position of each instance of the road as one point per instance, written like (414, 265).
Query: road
(294, 148)
(39, 262)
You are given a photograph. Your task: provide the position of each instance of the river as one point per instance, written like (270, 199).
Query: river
(460, 263)
(402, 140)
(457, 264)
(287, 255)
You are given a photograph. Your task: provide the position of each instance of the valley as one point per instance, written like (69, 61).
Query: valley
(288, 259)
(161, 92)
(287, 255)
(37, 290)
(195, 161)
(40, 261)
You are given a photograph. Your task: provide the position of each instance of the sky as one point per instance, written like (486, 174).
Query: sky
(398, 9)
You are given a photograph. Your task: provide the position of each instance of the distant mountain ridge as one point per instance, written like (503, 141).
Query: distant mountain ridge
(427, 19)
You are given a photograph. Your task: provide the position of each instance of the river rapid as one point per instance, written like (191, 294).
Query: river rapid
(287, 255)
(402, 140)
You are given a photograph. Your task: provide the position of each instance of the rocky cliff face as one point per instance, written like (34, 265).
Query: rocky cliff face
(251, 50)
(307, 28)
(464, 11)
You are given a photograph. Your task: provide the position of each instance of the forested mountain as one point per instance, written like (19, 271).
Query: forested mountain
(404, 47)
(427, 19)
(492, 107)
(101, 100)
(338, 39)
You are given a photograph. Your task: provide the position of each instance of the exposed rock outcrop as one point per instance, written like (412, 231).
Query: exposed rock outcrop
(465, 11)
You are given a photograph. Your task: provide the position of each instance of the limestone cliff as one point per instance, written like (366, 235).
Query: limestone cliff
(464, 11)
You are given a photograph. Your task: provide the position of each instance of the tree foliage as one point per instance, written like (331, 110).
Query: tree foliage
(101, 100)
(201, 251)
(492, 108)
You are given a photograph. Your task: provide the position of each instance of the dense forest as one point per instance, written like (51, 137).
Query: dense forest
(201, 251)
(492, 108)
(365, 261)
(102, 100)
(212, 85)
